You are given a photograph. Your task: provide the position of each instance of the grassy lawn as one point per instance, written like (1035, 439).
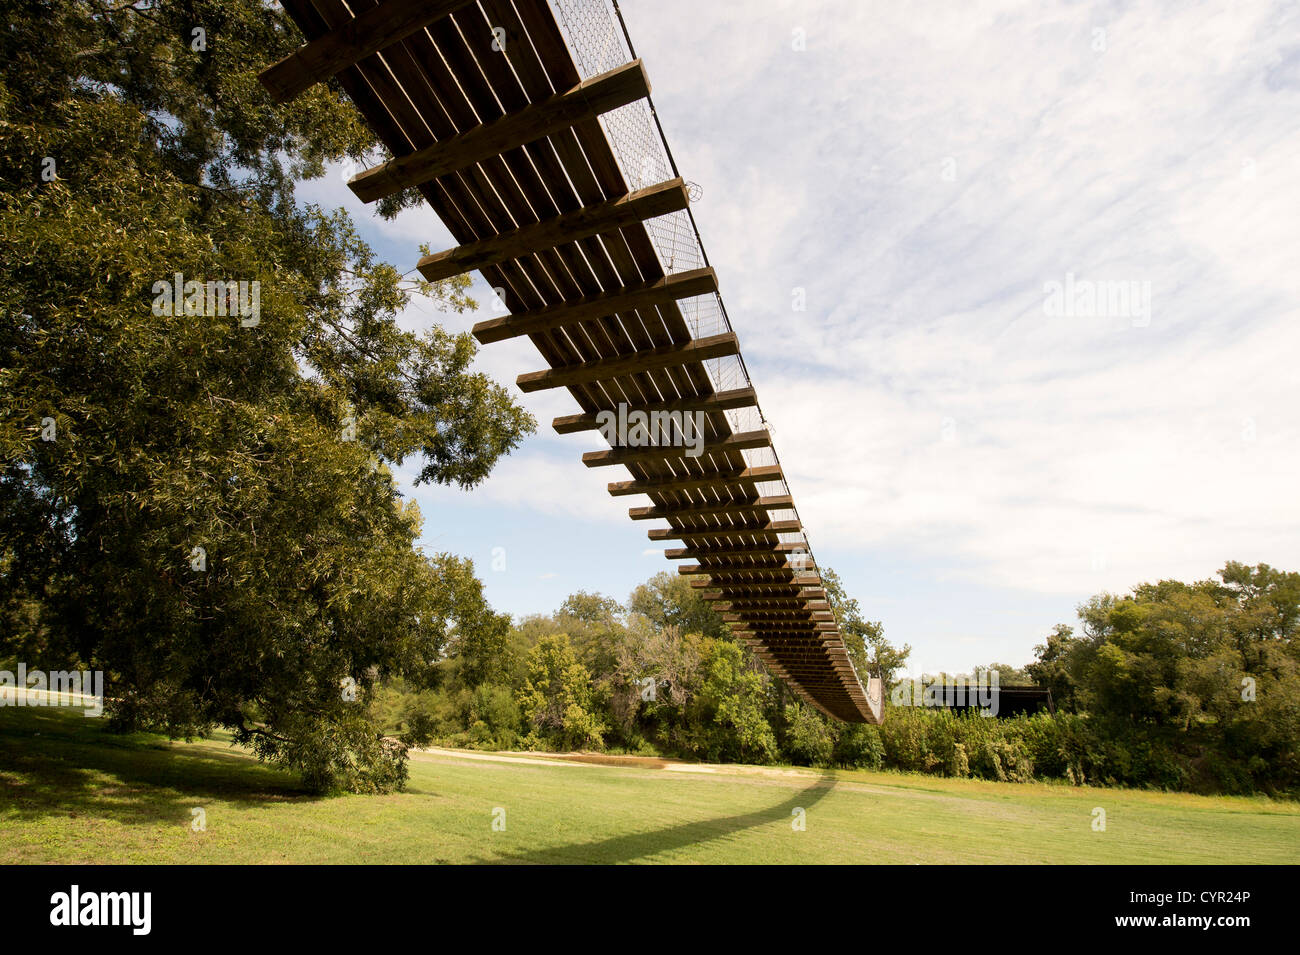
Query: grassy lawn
(71, 793)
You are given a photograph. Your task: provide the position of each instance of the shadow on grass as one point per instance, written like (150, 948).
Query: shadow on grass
(639, 845)
(57, 763)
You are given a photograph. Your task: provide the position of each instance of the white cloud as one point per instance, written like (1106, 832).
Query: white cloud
(922, 171)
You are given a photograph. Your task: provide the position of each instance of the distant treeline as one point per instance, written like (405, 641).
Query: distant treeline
(1174, 686)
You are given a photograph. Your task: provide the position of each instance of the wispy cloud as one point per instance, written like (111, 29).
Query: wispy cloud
(921, 173)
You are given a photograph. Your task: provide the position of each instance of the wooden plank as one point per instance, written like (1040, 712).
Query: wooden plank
(730, 509)
(746, 598)
(779, 574)
(743, 606)
(712, 591)
(688, 533)
(605, 216)
(809, 584)
(791, 603)
(700, 349)
(346, 45)
(723, 601)
(600, 94)
(770, 615)
(826, 631)
(741, 529)
(645, 295)
(749, 550)
(755, 618)
(555, 176)
(767, 472)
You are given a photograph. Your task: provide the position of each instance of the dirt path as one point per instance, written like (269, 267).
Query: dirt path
(623, 762)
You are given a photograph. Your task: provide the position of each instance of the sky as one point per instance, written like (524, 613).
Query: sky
(1049, 261)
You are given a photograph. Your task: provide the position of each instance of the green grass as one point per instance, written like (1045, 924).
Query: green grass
(71, 793)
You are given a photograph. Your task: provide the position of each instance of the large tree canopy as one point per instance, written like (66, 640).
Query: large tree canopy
(196, 497)
(1209, 669)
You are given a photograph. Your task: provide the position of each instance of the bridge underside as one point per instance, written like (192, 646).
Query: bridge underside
(562, 196)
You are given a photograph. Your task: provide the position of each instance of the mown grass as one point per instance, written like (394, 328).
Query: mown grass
(71, 793)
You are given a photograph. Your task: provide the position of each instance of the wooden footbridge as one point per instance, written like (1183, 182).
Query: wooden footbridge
(537, 145)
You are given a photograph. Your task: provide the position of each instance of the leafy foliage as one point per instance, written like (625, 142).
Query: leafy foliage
(1188, 685)
(201, 505)
(871, 653)
(556, 696)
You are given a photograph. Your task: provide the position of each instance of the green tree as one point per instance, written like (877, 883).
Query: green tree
(1187, 684)
(871, 653)
(1008, 675)
(669, 600)
(594, 625)
(731, 698)
(809, 736)
(1051, 667)
(201, 504)
(556, 697)
(485, 648)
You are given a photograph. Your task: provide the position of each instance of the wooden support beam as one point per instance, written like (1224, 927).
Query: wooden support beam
(746, 550)
(644, 295)
(711, 404)
(767, 472)
(721, 604)
(743, 595)
(786, 643)
(768, 616)
(758, 573)
(796, 620)
(799, 651)
(728, 509)
(768, 603)
(691, 533)
(604, 369)
(606, 216)
(818, 636)
(379, 27)
(743, 601)
(744, 441)
(745, 608)
(600, 94)
(742, 591)
(782, 575)
(809, 588)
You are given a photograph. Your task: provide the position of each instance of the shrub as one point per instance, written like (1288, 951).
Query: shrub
(859, 745)
(808, 739)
